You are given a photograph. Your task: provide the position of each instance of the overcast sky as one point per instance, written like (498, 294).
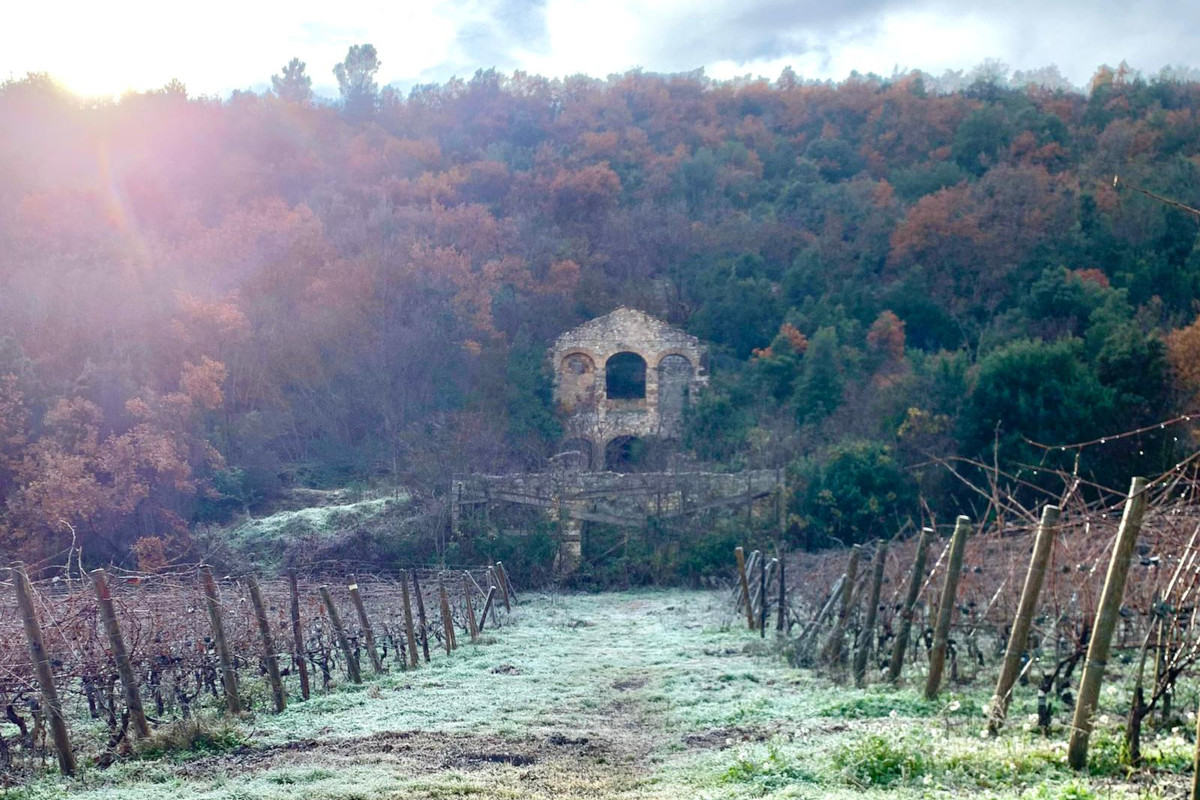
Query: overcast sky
(107, 46)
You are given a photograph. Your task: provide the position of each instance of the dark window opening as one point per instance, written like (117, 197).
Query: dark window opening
(625, 377)
(625, 454)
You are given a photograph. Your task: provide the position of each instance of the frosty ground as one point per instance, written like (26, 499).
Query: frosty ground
(629, 695)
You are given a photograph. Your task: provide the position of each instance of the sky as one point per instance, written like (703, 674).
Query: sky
(214, 47)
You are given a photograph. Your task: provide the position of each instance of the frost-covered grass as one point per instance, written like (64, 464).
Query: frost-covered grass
(268, 538)
(632, 695)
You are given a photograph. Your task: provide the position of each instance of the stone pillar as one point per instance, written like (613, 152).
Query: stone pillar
(570, 542)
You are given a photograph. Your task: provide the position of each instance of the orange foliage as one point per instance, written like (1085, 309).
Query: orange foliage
(151, 554)
(202, 383)
(1183, 353)
(886, 336)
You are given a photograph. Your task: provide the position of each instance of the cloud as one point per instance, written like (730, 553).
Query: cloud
(227, 44)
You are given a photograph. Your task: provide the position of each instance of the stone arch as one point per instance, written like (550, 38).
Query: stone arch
(577, 381)
(624, 453)
(675, 375)
(625, 376)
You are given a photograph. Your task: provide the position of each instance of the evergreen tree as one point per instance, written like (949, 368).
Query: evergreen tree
(356, 81)
(292, 84)
(819, 390)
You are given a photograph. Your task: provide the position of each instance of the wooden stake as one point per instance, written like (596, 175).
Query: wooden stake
(809, 635)
(409, 634)
(941, 631)
(754, 573)
(487, 606)
(833, 650)
(41, 664)
(133, 698)
(741, 566)
(762, 599)
(365, 622)
(228, 670)
(1019, 636)
(491, 576)
(779, 621)
(269, 656)
(447, 622)
(335, 619)
(421, 616)
(910, 603)
(508, 589)
(866, 636)
(1106, 623)
(298, 635)
(503, 588)
(751, 565)
(472, 627)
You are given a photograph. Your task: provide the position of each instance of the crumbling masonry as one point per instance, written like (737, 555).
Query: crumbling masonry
(620, 379)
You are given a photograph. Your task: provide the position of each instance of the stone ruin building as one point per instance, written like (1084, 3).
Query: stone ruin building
(623, 379)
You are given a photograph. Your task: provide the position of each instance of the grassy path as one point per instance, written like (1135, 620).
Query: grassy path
(635, 695)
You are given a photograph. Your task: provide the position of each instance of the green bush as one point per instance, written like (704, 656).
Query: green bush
(877, 760)
(195, 737)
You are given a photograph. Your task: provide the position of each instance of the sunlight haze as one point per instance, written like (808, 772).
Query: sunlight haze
(221, 46)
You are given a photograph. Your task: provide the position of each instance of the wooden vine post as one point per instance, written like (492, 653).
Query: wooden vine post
(492, 589)
(365, 622)
(339, 632)
(41, 664)
(500, 582)
(487, 606)
(508, 590)
(867, 635)
(228, 669)
(298, 635)
(941, 631)
(269, 657)
(447, 621)
(1107, 615)
(472, 625)
(782, 602)
(409, 634)
(1019, 636)
(752, 572)
(745, 584)
(762, 599)
(833, 650)
(133, 697)
(421, 616)
(809, 634)
(904, 631)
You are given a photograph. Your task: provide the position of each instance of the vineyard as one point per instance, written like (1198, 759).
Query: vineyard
(1048, 598)
(125, 650)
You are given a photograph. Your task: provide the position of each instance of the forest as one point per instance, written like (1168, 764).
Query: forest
(207, 301)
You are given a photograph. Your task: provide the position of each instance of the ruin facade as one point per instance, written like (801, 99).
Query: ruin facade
(621, 379)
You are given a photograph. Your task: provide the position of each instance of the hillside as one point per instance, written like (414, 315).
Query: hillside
(204, 302)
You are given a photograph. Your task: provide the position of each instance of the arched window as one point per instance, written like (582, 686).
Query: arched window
(577, 381)
(625, 454)
(625, 377)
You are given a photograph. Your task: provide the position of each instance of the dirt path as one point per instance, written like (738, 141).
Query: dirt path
(627, 696)
(565, 701)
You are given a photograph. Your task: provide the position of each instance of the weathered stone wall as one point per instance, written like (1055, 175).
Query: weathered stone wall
(675, 369)
(625, 499)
